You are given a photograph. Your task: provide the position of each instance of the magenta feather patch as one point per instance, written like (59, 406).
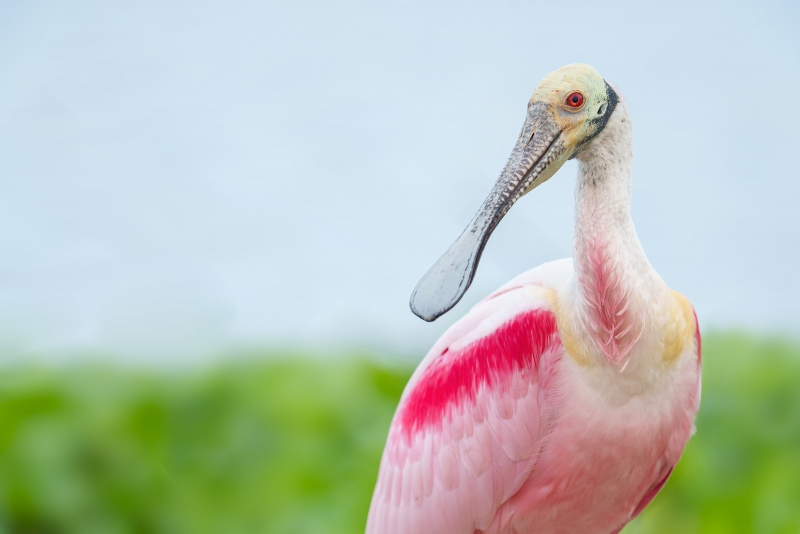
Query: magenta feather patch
(613, 327)
(455, 377)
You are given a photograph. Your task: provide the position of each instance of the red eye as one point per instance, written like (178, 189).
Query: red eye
(575, 100)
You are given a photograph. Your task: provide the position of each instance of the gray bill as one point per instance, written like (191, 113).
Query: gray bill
(446, 282)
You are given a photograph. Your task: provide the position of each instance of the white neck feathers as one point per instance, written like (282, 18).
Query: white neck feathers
(614, 284)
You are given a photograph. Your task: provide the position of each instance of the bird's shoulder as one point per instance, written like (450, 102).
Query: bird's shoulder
(530, 290)
(682, 332)
(552, 275)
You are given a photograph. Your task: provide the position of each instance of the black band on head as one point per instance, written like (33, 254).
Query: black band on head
(612, 101)
(600, 121)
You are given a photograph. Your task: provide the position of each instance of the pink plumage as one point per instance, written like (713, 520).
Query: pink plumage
(562, 402)
(491, 362)
(491, 437)
(608, 305)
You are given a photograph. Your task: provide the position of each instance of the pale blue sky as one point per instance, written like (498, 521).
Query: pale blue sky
(177, 177)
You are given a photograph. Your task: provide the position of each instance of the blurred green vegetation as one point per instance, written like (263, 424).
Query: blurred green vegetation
(291, 443)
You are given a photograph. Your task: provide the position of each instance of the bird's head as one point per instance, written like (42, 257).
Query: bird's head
(566, 112)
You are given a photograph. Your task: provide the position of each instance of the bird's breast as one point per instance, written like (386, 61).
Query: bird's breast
(602, 454)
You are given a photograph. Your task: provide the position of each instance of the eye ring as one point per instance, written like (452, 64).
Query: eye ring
(575, 100)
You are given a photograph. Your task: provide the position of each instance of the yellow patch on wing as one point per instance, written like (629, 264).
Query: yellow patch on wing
(568, 330)
(680, 328)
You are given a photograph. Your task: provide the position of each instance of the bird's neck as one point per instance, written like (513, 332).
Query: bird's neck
(615, 291)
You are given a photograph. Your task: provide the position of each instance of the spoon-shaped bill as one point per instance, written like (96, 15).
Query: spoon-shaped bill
(535, 158)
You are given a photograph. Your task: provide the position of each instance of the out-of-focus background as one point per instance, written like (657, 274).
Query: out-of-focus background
(212, 215)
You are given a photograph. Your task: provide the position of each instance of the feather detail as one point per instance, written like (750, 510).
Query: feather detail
(455, 376)
(611, 323)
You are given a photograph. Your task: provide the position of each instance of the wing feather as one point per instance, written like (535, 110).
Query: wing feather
(457, 450)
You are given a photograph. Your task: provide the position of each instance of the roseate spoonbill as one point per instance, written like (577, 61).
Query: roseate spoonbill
(561, 402)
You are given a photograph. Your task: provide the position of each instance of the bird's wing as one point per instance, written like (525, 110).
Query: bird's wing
(468, 427)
